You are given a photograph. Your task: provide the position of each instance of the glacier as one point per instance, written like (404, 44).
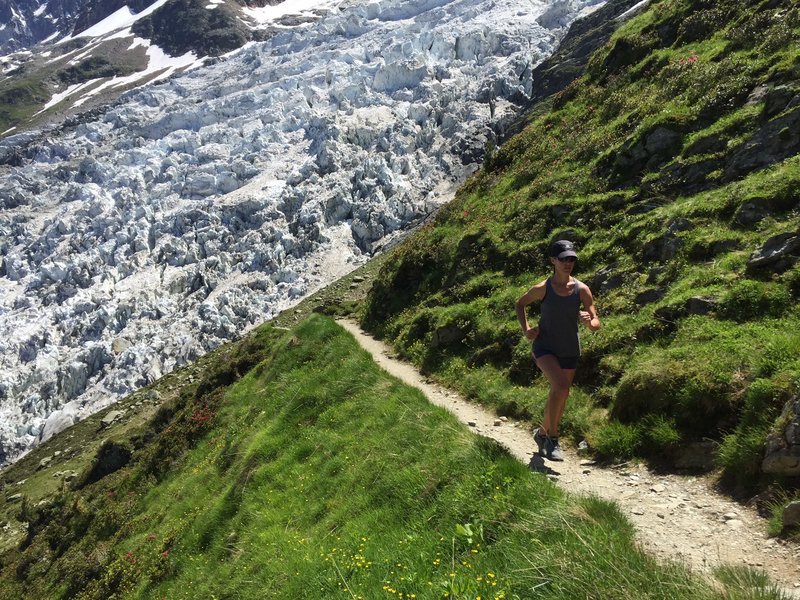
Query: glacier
(191, 210)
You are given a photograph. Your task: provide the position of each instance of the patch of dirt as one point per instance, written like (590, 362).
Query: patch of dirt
(677, 518)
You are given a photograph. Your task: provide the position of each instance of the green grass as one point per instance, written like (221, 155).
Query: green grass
(665, 225)
(317, 475)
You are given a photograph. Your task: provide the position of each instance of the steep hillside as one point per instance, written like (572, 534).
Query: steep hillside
(292, 467)
(673, 164)
(137, 237)
(64, 59)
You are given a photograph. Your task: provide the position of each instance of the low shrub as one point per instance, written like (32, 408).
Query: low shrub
(741, 453)
(648, 390)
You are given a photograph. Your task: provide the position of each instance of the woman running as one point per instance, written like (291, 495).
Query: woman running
(556, 345)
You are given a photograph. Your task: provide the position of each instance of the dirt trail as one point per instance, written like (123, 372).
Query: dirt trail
(679, 518)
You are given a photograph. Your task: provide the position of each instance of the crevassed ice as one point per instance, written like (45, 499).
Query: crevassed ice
(199, 207)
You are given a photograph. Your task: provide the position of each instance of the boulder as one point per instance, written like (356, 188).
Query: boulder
(649, 296)
(778, 253)
(445, 336)
(782, 452)
(110, 418)
(607, 281)
(662, 248)
(791, 514)
(778, 99)
(753, 211)
(694, 456)
(700, 305)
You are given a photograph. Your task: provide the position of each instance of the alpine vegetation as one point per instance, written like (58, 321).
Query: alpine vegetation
(135, 239)
(673, 165)
(294, 467)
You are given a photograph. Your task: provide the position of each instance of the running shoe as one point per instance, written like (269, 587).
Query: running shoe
(541, 441)
(554, 451)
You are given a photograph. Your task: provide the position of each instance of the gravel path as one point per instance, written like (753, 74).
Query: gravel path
(677, 517)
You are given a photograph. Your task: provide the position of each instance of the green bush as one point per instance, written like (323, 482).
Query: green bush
(792, 279)
(742, 451)
(648, 390)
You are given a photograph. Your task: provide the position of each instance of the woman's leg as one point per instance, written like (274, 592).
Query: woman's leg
(569, 375)
(560, 381)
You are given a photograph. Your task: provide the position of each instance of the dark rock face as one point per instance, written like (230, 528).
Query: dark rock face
(778, 254)
(606, 279)
(568, 63)
(782, 455)
(775, 141)
(662, 248)
(584, 37)
(648, 152)
(791, 514)
(259, 3)
(753, 211)
(181, 26)
(29, 25)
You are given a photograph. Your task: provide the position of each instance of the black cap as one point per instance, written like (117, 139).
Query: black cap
(562, 249)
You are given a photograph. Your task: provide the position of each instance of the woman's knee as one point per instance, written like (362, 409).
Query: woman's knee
(560, 389)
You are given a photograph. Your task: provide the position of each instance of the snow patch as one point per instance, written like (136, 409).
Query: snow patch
(121, 19)
(267, 14)
(633, 10)
(73, 89)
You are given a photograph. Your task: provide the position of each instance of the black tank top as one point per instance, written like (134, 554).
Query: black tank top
(558, 323)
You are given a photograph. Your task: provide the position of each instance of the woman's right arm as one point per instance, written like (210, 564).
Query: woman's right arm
(534, 294)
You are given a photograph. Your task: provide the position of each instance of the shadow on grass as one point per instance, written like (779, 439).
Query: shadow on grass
(538, 465)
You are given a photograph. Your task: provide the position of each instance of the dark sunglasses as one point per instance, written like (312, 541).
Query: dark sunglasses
(567, 259)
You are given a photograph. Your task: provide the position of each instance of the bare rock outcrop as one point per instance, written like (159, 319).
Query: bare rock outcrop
(782, 456)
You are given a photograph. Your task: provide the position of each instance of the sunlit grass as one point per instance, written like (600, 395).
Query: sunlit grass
(323, 477)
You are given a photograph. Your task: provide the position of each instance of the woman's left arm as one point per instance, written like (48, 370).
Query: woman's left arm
(589, 314)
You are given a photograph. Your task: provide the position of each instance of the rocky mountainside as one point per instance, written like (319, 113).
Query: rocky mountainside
(138, 236)
(48, 50)
(26, 23)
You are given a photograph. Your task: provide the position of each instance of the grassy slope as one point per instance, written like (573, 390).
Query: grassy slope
(650, 163)
(316, 475)
(23, 94)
